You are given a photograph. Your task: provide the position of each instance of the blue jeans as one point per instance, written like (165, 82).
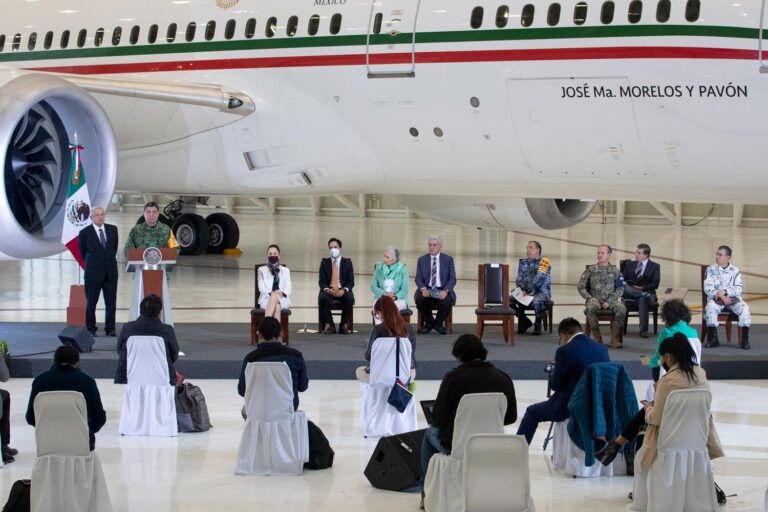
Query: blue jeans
(430, 446)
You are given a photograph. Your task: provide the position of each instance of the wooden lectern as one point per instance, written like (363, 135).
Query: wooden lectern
(150, 278)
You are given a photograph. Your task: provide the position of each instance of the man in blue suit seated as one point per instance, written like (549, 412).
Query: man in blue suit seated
(571, 359)
(435, 281)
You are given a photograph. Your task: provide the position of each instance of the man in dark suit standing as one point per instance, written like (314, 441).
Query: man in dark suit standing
(571, 359)
(641, 278)
(337, 278)
(98, 247)
(435, 281)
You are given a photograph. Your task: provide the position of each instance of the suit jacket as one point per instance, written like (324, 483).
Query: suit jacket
(346, 274)
(650, 278)
(570, 362)
(100, 262)
(447, 273)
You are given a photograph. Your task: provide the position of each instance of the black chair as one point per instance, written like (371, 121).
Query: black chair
(493, 299)
(632, 307)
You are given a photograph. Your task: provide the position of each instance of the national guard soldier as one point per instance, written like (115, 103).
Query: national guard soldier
(151, 233)
(602, 285)
(723, 288)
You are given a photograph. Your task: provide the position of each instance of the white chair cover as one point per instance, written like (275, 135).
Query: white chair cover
(66, 476)
(275, 440)
(680, 479)
(149, 403)
(496, 474)
(479, 413)
(376, 415)
(568, 458)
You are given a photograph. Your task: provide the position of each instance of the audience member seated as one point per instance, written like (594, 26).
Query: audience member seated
(148, 324)
(602, 285)
(676, 316)
(8, 453)
(390, 278)
(723, 288)
(534, 281)
(473, 375)
(571, 359)
(274, 284)
(388, 324)
(641, 279)
(65, 375)
(271, 349)
(337, 278)
(435, 283)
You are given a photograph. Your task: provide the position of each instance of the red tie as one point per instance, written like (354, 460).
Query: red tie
(433, 282)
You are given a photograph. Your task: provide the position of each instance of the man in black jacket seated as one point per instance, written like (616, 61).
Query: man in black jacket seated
(65, 375)
(148, 324)
(473, 375)
(336, 285)
(571, 359)
(641, 278)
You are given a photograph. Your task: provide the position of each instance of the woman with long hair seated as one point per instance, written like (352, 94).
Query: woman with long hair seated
(389, 324)
(274, 284)
(390, 278)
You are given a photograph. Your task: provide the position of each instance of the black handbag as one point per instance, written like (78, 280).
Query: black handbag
(399, 397)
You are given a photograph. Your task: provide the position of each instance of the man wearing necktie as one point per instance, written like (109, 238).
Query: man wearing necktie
(641, 279)
(98, 247)
(435, 281)
(337, 278)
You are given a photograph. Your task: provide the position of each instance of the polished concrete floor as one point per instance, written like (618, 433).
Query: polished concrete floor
(195, 472)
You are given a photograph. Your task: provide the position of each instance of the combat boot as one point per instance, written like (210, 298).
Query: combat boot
(745, 338)
(712, 340)
(537, 326)
(615, 337)
(595, 335)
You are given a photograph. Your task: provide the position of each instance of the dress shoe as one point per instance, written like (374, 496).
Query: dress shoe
(7, 450)
(112, 334)
(330, 329)
(92, 332)
(523, 324)
(343, 329)
(7, 459)
(440, 329)
(537, 326)
(607, 453)
(643, 334)
(425, 329)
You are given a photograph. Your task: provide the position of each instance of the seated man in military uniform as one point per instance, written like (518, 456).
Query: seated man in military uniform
(533, 280)
(602, 285)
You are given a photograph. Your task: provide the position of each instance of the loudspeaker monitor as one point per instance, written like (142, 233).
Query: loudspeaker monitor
(78, 337)
(395, 463)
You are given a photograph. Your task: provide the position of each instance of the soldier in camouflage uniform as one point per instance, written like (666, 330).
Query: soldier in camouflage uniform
(533, 278)
(151, 233)
(723, 288)
(602, 285)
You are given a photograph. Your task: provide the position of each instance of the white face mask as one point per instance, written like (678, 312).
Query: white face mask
(335, 252)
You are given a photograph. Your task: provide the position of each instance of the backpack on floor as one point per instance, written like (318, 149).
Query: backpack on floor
(18, 499)
(320, 451)
(191, 411)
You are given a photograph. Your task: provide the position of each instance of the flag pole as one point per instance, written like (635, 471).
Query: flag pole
(77, 180)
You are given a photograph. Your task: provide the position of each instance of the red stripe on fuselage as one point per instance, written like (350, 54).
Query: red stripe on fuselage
(627, 52)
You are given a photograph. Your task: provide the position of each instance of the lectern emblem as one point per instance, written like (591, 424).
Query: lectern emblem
(152, 256)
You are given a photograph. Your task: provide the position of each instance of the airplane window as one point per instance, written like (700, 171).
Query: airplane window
(376, 22)
(116, 35)
(135, 31)
(502, 16)
(635, 11)
(526, 17)
(210, 30)
(250, 28)
(553, 15)
(606, 13)
(16, 42)
(292, 27)
(190, 33)
(663, 10)
(314, 24)
(2, 42)
(335, 23)
(170, 36)
(580, 13)
(229, 29)
(32, 41)
(476, 20)
(271, 27)
(64, 39)
(692, 10)
(152, 34)
(99, 38)
(47, 42)
(81, 37)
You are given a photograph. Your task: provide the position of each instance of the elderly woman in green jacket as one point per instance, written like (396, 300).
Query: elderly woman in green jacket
(390, 277)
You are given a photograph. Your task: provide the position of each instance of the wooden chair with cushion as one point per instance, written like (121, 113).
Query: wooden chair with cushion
(726, 316)
(257, 314)
(493, 299)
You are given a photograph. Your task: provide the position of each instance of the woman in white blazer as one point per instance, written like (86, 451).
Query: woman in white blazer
(274, 284)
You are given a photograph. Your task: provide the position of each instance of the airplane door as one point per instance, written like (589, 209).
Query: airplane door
(391, 42)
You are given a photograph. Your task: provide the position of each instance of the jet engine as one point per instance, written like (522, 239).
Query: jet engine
(39, 118)
(502, 213)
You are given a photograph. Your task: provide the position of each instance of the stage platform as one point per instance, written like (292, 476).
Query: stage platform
(216, 351)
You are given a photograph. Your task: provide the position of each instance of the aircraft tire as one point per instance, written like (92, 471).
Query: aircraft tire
(225, 234)
(191, 233)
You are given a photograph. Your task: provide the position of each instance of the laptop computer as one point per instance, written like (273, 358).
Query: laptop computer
(426, 406)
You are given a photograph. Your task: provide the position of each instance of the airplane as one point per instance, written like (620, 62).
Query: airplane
(503, 115)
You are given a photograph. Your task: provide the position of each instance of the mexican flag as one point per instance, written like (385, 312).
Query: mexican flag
(77, 212)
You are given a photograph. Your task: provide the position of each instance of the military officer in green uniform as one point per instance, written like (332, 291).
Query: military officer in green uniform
(151, 233)
(602, 285)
